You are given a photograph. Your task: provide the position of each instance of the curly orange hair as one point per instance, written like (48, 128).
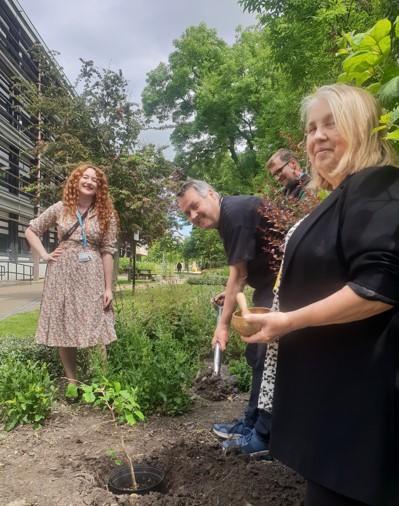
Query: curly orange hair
(102, 201)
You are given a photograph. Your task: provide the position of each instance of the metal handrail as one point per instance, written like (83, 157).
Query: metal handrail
(27, 271)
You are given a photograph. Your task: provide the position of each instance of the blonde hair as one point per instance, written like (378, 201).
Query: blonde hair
(356, 113)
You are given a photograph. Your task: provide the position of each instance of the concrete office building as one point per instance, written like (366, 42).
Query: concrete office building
(19, 134)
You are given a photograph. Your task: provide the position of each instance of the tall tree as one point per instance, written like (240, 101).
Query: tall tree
(205, 247)
(219, 127)
(142, 190)
(304, 33)
(100, 125)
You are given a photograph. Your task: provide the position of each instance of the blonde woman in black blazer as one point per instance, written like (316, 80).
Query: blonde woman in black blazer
(336, 397)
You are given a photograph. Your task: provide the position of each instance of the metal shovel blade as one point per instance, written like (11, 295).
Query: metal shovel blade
(217, 352)
(217, 359)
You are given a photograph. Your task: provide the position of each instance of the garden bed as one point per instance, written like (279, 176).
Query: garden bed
(67, 462)
(163, 339)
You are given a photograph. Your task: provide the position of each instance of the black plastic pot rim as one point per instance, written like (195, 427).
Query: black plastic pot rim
(120, 479)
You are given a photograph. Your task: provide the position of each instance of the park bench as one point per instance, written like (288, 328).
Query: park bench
(144, 274)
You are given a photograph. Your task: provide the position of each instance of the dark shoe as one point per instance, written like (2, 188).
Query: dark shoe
(251, 444)
(231, 430)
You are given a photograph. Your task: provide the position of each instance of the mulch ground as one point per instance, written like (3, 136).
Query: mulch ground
(69, 460)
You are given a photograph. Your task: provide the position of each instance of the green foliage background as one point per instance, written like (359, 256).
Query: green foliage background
(164, 335)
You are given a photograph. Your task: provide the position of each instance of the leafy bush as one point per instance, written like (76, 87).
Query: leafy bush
(123, 265)
(183, 311)
(109, 395)
(159, 368)
(163, 335)
(371, 61)
(207, 279)
(241, 370)
(26, 392)
(25, 349)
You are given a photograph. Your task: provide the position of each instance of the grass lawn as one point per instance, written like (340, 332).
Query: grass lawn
(24, 324)
(20, 325)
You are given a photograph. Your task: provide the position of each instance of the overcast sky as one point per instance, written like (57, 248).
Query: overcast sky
(132, 35)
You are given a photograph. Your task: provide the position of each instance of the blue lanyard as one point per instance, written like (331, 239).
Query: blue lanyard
(81, 221)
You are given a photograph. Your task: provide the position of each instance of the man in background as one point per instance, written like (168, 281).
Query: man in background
(285, 168)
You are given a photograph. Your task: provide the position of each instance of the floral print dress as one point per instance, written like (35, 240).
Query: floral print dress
(72, 312)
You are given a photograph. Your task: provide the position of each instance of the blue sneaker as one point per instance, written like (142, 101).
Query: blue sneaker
(231, 430)
(249, 444)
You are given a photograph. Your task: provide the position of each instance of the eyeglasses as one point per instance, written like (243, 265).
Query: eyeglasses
(277, 171)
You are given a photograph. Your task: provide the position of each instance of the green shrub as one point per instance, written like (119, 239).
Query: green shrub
(163, 335)
(26, 392)
(159, 368)
(123, 265)
(106, 394)
(183, 311)
(25, 349)
(207, 279)
(371, 61)
(241, 370)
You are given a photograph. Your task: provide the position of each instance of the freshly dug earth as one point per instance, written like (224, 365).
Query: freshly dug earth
(67, 462)
(215, 388)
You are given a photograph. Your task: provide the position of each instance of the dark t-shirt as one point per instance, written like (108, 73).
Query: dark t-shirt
(240, 228)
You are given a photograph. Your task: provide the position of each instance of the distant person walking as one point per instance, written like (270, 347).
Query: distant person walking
(179, 267)
(76, 309)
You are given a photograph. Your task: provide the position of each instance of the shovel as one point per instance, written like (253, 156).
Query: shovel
(217, 352)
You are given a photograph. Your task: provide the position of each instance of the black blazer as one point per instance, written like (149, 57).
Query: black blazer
(335, 412)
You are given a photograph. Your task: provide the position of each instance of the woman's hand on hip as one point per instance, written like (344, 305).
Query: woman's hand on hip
(54, 255)
(107, 298)
(274, 325)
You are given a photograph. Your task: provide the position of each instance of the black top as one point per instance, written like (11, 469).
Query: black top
(336, 399)
(241, 228)
(296, 189)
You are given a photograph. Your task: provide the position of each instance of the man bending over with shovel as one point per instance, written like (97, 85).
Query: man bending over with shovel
(241, 228)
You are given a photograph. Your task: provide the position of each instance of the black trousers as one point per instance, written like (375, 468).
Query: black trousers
(255, 355)
(316, 495)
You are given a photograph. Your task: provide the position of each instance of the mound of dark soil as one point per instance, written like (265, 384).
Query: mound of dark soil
(214, 388)
(69, 460)
(197, 473)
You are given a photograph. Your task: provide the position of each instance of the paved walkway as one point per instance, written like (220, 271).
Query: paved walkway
(19, 297)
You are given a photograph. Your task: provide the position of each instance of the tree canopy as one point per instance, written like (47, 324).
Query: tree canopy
(101, 125)
(228, 113)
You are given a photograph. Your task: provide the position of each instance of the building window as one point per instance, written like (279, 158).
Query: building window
(4, 237)
(23, 246)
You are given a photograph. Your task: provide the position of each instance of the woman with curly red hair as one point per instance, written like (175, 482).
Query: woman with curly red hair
(76, 309)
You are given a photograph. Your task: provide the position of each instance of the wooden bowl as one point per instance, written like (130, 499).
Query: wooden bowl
(245, 328)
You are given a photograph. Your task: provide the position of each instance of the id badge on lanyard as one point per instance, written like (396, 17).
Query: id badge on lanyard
(84, 256)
